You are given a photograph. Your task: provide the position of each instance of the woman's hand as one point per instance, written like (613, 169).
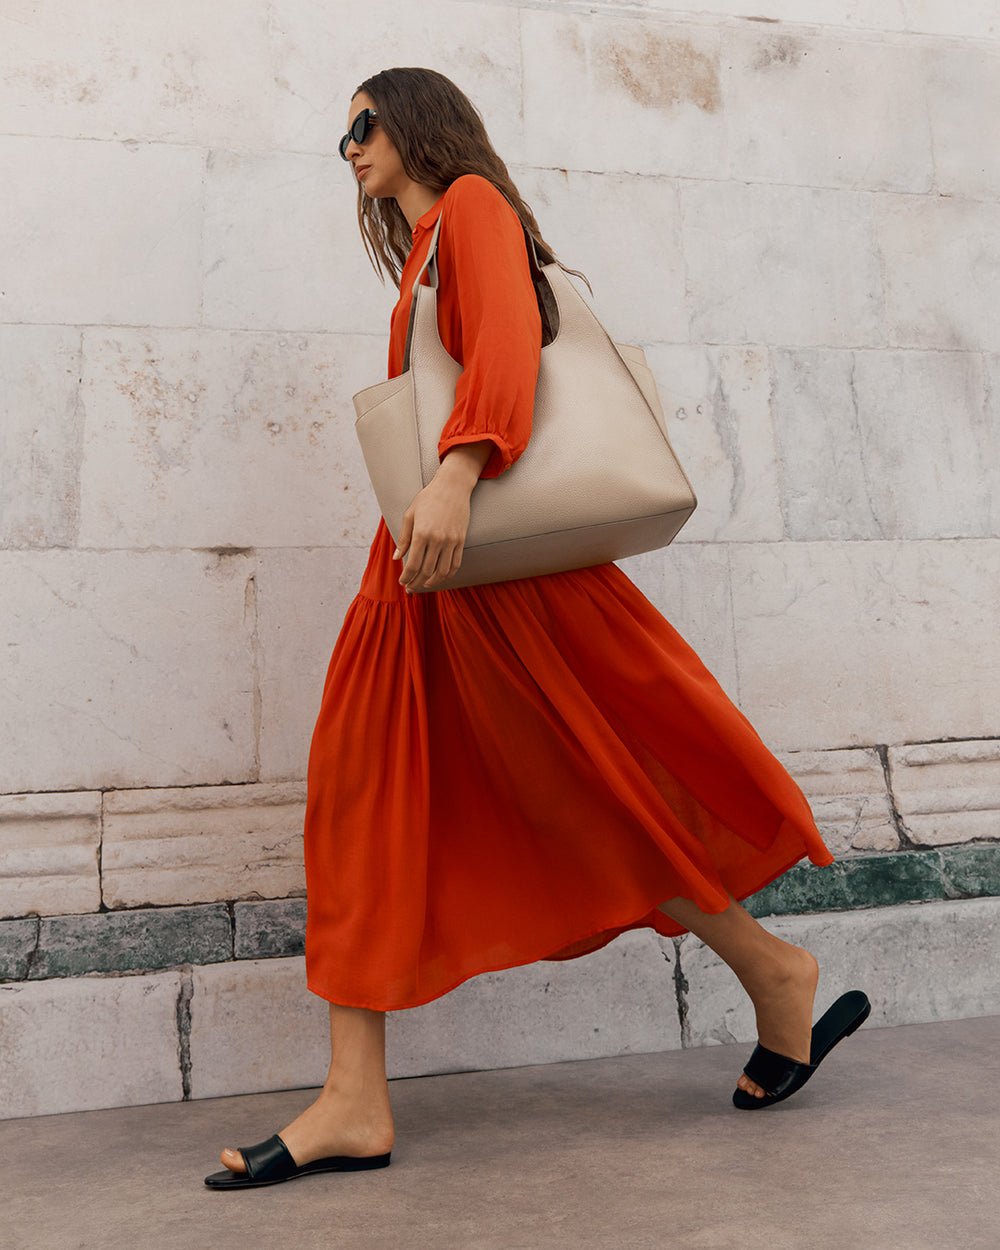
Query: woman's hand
(436, 522)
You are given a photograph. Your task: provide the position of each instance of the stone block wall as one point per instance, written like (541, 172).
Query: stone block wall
(794, 211)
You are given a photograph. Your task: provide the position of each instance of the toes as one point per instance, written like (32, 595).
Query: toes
(233, 1160)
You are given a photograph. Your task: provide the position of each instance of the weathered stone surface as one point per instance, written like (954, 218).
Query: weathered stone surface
(125, 669)
(40, 432)
(182, 73)
(717, 402)
(883, 444)
(302, 597)
(132, 941)
(844, 112)
(942, 271)
(765, 264)
(848, 795)
(618, 94)
(855, 643)
(619, 1000)
(976, 18)
(276, 928)
(87, 1042)
(282, 249)
(993, 417)
(18, 939)
(637, 275)
(858, 881)
(50, 853)
(202, 844)
(963, 85)
(254, 1025)
(929, 961)
(971, 871)
(316, 68)
(201, 438)
(947, 791)
(689, 584)
(76, 265)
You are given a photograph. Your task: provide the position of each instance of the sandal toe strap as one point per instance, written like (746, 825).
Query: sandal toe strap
(268, 1159)
(773, 1072)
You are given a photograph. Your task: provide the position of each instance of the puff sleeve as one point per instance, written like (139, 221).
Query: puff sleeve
(492, 325)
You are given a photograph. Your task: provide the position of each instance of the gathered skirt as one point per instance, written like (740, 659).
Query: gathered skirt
(521, 771)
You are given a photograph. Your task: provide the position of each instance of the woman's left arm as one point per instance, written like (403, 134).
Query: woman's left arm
(495, 318)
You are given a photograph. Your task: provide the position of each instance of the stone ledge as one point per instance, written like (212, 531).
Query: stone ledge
(132, 941)
(148, 939)
(18, 939)
(50, 847)
(947, 792)
(270, 930)
(872, 881)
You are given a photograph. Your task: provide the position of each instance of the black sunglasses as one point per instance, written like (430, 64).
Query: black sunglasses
(359, 130)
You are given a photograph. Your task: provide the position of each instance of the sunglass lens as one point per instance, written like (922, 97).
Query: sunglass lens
(358, 131)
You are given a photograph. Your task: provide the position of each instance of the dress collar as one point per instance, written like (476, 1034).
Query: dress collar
(426, 222)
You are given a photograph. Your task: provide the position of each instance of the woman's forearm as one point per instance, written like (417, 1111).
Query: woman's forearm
(464, 462)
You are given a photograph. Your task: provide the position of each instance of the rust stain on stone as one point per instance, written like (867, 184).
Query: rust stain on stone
(659, 71)
(780, 52)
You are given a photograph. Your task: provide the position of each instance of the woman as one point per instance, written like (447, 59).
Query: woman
(519, 771)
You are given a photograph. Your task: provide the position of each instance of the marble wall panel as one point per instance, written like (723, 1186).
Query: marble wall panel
(619, 1000)
(204, 438)
(845, 644)
(202, 844)
(125, 669)
(41, 429)
(316, 68)
(80, 1043)
(993, 421)
(603, 92)
(942, 271)
(103, 232)
(282, 250)
(846, 111)
(112, 69)
(717, 402)
(765, 263)
(963, 88)
(947, 792)
(636, 271)
(49, 863)
(849, 797)
(974, 18)
(302, 597)
(255, 1026)
(916, 962)
(883, 444)
(689, 584)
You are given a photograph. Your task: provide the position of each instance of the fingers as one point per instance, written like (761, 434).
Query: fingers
(426, 567)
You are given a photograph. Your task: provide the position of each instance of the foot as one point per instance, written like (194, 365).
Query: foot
(335, 1124)
(783, 999)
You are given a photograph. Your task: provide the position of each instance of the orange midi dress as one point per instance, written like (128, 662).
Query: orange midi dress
(524, 770)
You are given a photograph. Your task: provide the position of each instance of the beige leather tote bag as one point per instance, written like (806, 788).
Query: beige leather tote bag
(598, 480)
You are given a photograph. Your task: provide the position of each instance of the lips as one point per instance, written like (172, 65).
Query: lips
(360, 171)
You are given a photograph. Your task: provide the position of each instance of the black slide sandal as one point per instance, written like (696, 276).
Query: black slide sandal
(780, 1076)
(269, 1163)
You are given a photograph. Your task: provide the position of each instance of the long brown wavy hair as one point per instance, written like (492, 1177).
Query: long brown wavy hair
(439, 136)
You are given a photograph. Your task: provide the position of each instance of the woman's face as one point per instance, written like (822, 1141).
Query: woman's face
(376, 162)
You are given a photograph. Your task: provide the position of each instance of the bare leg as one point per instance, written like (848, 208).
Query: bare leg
(780, 978)
(351, 1116)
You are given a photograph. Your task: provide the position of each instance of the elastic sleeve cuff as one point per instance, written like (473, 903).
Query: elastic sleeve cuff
(501, 457)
